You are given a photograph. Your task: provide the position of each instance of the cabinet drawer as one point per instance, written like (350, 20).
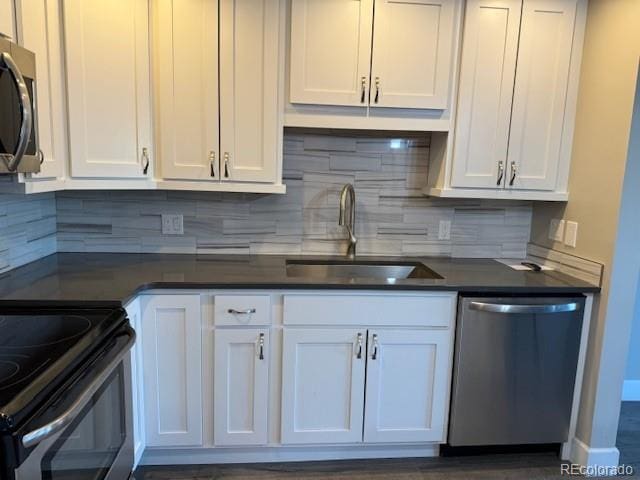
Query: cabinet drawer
(242, 310)
(434, 310)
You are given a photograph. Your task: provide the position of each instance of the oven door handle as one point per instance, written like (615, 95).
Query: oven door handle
(40, 434)
(7, 62)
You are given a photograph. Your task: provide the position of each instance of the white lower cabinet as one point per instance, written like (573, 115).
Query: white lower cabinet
(172, 356)
(263, 369)
(323, 385)
(407, 385)
(137, 379)
(241, 386)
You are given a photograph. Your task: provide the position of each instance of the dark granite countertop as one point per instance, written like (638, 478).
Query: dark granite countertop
(113, 279)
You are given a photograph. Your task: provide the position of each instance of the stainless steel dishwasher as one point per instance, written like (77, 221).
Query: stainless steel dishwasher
(514, 370)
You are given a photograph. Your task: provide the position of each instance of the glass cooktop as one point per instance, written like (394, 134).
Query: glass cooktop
(39, 349)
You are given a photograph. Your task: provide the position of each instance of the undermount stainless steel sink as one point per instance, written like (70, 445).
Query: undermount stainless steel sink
(358, 269)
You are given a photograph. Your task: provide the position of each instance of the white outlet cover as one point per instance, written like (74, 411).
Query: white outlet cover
(444, 231)
(556, 229)
(571, 234)
(172, 225)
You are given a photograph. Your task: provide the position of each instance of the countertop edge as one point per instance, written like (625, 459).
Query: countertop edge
(235, 285)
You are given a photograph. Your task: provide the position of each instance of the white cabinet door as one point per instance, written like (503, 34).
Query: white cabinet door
(172, 350)
(487, 72)
(412, 53)
(107, 60)
(137, 381)
(408, 376)
(249, 75)
(241, 391)
(539, 100)
(330, 51)
(40, 31)
(7, 17)
(322, 385)
(185, 51)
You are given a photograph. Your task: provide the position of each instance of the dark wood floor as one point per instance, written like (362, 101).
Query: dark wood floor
(532, 466)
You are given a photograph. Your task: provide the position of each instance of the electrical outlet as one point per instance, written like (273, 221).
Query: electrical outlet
(571, 234)
(556, 229)
(444, 232)
(172, 225)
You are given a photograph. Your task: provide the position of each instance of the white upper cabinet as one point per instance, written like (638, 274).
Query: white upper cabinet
(7, 18)
(330, 51)
(40, 31)
(412, 53)
(540, 93)
(172, 366)
(342, 54)
(516, 106)
(250, 124)
(185, 53)
(107, 60)
(323, 374)
(407, 391)
(241, 391)
(487, 73)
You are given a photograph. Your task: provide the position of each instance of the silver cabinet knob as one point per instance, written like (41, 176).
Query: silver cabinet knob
(374, 349)
(500, 172)
(359, 345)
(261, 346)
(145, 160)
(513, 174)
(377, 97)
(363, 89)
(227, 169)
(212, 163)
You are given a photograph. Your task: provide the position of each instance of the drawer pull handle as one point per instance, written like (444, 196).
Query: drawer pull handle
(261, 346)
(248, 311)
(359, 354)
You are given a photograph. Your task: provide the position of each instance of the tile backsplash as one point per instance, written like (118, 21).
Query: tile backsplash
(392, 216)
(27, 228)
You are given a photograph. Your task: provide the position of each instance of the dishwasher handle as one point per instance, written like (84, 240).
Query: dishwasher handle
(524, 308)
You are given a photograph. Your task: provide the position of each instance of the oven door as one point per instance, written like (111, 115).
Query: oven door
(19, 150)
(87, 433)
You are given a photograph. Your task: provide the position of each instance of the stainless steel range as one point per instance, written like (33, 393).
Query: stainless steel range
(65, 394)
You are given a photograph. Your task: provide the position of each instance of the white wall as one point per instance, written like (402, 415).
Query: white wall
(632, 197)
(620, 305)
(632, 377)
(599, 176)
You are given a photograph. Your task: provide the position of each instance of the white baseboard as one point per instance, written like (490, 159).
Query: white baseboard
(199, 456)
(582, 454)
(631, 391)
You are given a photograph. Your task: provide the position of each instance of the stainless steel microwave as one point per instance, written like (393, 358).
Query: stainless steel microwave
(19, 152)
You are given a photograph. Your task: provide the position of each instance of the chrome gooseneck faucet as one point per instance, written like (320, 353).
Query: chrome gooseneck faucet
(350, 224)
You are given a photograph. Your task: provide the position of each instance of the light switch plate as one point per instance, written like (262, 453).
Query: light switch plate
(571, 234)
(172, 225)
(556, 229)
(444, 232)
